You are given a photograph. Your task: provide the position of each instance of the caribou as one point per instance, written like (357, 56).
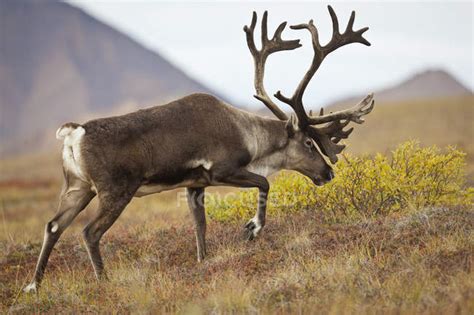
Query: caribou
(200, 141)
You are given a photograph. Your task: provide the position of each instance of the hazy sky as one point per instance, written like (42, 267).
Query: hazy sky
(206, 40)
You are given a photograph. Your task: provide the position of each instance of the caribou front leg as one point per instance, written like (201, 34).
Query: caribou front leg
(255, 225)
(244, 178)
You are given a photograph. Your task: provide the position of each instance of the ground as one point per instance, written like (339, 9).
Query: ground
(419, 261)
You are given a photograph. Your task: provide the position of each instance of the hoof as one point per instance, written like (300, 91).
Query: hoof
(31, 288)
(251, 229)
(200, 257)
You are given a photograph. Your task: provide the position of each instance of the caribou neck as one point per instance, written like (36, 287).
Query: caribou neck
(270, 140)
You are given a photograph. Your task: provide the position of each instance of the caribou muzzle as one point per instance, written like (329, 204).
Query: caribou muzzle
(320, 180)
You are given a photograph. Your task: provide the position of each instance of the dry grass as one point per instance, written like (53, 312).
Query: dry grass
(415, 262)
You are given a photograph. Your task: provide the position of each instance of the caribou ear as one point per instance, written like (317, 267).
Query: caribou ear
(292, 125)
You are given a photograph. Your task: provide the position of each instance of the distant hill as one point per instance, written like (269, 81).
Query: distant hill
(429, 84)
(57, 63)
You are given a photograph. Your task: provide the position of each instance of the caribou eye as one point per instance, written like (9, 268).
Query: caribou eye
(308, 143)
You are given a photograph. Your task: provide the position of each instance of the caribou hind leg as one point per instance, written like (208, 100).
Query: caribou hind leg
(75, 196)
(111, 204)
(196, 205)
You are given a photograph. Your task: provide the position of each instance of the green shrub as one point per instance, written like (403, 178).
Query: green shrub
(411, 178)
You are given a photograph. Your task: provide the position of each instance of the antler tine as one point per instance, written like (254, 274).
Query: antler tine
(335, 22)
(249, 31)
(335, 131)
(352, 114)
(350, 24)
(349, 36)
(328, 146)
(314, 33)
(269, 46)
(264, 29)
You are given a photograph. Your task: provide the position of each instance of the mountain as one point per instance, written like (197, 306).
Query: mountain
(429, 84)
(58, 63)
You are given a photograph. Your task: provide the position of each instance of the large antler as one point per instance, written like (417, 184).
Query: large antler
(320, 52)
(329, 135)
(269, 46)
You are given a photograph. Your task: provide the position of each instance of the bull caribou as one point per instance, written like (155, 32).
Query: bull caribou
(200, 141)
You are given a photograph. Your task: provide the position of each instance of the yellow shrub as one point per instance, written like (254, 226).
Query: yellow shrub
(413, 177)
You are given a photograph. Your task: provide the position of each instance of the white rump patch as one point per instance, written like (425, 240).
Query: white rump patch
(62, 132)
(201, 162)
(72, 152)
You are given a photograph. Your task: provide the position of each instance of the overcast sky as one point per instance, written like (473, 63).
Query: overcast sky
(206, 40)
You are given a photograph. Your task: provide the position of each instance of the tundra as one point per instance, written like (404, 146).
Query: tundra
(199, 141)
